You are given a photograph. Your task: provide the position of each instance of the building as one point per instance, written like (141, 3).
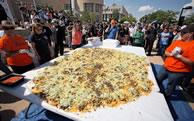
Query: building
(108, 10)
(95, 6)
(77, 6)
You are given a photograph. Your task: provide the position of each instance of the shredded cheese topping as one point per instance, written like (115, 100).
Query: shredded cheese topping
(92, 78)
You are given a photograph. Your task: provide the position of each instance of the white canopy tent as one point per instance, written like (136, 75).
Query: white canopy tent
(5, 5)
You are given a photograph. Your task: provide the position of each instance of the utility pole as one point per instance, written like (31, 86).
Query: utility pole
(181, 18)
(70, 7)
(34, 5)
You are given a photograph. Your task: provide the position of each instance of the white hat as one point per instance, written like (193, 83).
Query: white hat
(54, 21)
(184, 26)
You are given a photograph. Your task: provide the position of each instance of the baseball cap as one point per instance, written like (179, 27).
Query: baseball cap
(54, 21)
(188, 29)
(112, 22)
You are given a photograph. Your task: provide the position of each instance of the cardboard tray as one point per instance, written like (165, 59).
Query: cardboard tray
(14, 83)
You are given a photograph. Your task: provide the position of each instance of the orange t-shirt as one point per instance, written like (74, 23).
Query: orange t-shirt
(77, 39)
(15, 44)
(176, 65)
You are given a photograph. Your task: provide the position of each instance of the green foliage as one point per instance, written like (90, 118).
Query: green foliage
(129, 18)
(115, 15)
(168, 16)
(189, 19)
(68, 12)
(88, 16)
(92, 17)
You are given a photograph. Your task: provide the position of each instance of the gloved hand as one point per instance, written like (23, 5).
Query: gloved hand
(23, 51)
(176, 50)
(177, 55)
(26, 51)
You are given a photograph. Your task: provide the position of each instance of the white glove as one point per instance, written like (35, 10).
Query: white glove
(26, 51)
(178, 56)
(177, 50)
(23, 51)
(30, 54)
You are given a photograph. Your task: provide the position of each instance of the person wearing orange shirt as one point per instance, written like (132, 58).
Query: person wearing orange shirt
(76, 36)
(16, 49)
(179, 61)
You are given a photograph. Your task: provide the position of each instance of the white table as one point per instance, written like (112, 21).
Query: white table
(147, 108)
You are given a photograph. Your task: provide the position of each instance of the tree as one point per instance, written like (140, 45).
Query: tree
(92, 17)
(161, 16)
(189, 19)
(130, 18)
(68, 13)
(115, 15)
(88, 16)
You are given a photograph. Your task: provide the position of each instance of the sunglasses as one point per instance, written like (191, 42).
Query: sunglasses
(9, 28)
(39, 29)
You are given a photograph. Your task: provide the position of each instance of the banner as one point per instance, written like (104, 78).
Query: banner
(5, 5)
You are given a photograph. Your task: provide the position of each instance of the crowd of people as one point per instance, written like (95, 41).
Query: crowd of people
(51, 31)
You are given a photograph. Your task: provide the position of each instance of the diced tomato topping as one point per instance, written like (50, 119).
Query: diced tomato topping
(12, 79)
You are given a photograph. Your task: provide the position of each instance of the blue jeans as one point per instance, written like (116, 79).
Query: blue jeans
(162, 49)
(188, 78)
(69, 41)
(173, 79)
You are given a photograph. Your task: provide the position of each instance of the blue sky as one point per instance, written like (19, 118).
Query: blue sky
(140, 8)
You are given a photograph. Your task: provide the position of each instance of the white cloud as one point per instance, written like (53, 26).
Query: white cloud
(128, 7)
(189, 11)
(145, 8)
(119, 0)
(157, 9)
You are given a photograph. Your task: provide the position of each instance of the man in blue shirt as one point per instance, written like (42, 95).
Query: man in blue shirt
(112, 31)
(164, 40)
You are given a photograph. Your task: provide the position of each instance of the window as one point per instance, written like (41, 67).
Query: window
(67, 7)
(97, 18)
(98, 8)
(89, 7)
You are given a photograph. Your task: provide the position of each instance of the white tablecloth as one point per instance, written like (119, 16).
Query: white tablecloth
(147, 108)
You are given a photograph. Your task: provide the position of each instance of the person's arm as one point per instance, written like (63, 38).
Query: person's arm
(51, 34)
(181, 58)
(117, 34)
(52, 37)
(136, 35)
(186, 60)
(67, 29)
(90, 33)
(168, 54)
(33, 46)
(107, 29)
(162, 35)
(51, 51)
(142, 36)
(9, 54)
(73, 34)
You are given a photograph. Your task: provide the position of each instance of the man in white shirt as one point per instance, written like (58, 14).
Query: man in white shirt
(131, 32)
